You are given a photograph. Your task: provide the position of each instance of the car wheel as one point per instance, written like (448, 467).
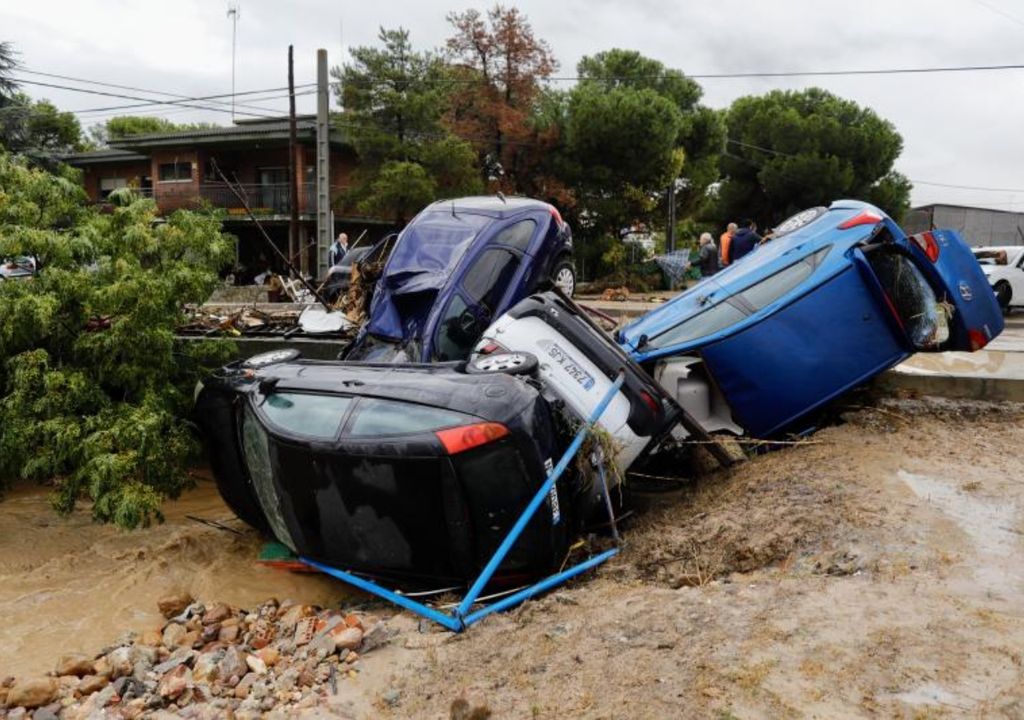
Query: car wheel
(509, 363)
(271, 357)
(1004, 293)
(564, 277)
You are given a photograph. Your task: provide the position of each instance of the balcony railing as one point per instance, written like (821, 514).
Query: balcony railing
(270, 199)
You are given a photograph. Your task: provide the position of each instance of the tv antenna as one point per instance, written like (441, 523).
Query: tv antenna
(234, 7)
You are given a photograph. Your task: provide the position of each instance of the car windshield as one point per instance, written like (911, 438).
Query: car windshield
(430, 248)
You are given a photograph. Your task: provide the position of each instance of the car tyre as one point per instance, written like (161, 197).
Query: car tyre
(508, 363)
(564, 276)
(1004, 294)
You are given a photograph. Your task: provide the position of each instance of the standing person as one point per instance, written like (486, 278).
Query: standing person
(708, 256)
(337, 250)
(745, 240)
(725, 243)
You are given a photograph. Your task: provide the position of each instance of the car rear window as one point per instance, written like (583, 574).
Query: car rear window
(314, 416)
(392, 417)
(518, 235)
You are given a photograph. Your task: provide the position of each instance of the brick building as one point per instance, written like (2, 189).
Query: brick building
(177, 171)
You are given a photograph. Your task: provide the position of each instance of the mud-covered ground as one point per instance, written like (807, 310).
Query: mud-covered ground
(873, 571)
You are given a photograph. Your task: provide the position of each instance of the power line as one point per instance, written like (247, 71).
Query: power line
(144, 107)
(179, 96)
(149, 101)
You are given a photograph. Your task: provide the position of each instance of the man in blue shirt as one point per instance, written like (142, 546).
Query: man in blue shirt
(744, 241)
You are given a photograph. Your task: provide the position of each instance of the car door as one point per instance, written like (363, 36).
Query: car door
(1016, 278)
(951, 268)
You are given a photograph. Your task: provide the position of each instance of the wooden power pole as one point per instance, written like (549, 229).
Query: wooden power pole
(293, 176)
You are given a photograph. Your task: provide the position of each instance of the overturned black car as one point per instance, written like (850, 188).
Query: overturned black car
(412, 473)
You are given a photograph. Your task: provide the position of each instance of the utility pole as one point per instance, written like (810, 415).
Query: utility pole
(293, 177)
(670, 231)
(233, 8)
(324, 222)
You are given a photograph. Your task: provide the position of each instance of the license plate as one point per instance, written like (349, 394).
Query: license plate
(570, 366)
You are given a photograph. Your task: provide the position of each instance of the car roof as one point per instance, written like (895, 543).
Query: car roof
(490, 205)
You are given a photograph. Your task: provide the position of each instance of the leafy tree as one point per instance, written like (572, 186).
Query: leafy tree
(7, 65)
(38, 130)
(93, 388)
(393, 98)
(498, 65)
(792, 150)
(701, 133)
(622, 151)
(127, 125)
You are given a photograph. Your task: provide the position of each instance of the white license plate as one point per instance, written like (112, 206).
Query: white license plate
(570, 366)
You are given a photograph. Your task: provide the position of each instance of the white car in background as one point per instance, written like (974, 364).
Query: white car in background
(1004, 268)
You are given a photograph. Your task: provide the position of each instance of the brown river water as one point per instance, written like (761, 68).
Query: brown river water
(70, 585)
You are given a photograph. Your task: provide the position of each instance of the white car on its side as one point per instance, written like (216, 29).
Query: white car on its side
(1004, 268)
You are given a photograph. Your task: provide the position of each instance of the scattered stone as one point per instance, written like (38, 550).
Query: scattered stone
(256, 665)
(32, 692)
(233, 663)
(74, 664)
(101, 667)
(347, 638)
(305, 630)
(92, 683)
(351, 657)
(245, 686)
(354, 621)
(207, 666)
(47, 713)
(217, 614)
(263, 633)
(175, 682)
(228, 633)
(151, 638)
(322, 646)
(179, 656)
(379, 634)
(175, 604)
(120, 661)
(392, 697)
(269, 656)
(173, 635)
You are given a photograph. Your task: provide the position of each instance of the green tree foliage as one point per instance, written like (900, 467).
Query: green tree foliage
(792, 150)
(393, 98)
(7, 66)
(93, 388)
(117, 128)
(701, 130)
(38, 131)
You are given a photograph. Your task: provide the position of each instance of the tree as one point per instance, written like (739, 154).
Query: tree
(791, 150)
(701, 133)
(498, 66)
(393, 98)
(94, 391)
(38, 130)
(7, 65)
(125, 126)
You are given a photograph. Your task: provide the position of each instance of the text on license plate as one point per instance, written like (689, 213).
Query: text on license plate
(570, 366)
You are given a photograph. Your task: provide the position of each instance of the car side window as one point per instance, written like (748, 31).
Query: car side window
(710, 321)
(764, 293)
(457, 331)
(313, 416)
(391, 417)
(490, 277)
(518, 235)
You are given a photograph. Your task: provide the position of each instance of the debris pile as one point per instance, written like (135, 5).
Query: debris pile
(206, 662)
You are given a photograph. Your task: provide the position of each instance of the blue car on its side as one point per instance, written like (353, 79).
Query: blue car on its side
(457, 266)
(836, 297)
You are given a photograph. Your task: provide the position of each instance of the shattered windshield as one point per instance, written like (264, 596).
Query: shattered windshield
(430, 248)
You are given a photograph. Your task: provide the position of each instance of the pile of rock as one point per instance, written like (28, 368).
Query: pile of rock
(206, 662)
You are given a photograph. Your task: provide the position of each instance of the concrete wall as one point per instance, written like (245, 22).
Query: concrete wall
(978, 226)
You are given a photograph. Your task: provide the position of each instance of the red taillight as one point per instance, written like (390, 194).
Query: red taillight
(865, 218)
(977, 338)
(650, 402)
(556, 215)
(926, 241)
(467, 437)
(491, 348)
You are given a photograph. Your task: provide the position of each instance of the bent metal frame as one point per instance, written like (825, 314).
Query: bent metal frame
(463, 616)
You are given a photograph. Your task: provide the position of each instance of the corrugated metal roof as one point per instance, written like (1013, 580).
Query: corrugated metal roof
(275, 129)
(107, 155)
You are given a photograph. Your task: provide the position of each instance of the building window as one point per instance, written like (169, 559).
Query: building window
(176, 171)
(109, 185)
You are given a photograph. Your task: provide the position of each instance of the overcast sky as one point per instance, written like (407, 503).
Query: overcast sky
(958, 128)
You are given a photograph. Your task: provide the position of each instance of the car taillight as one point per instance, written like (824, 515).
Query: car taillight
(926, 241)
(650, 402)
(491, 348)
(556, 215)
(978, 339)
(865, 218)
(467, 437)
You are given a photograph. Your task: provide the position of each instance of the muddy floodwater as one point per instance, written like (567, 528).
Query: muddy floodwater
(70, 585)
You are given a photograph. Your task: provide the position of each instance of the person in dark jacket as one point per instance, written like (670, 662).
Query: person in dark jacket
(707, 256)
(744, 241)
